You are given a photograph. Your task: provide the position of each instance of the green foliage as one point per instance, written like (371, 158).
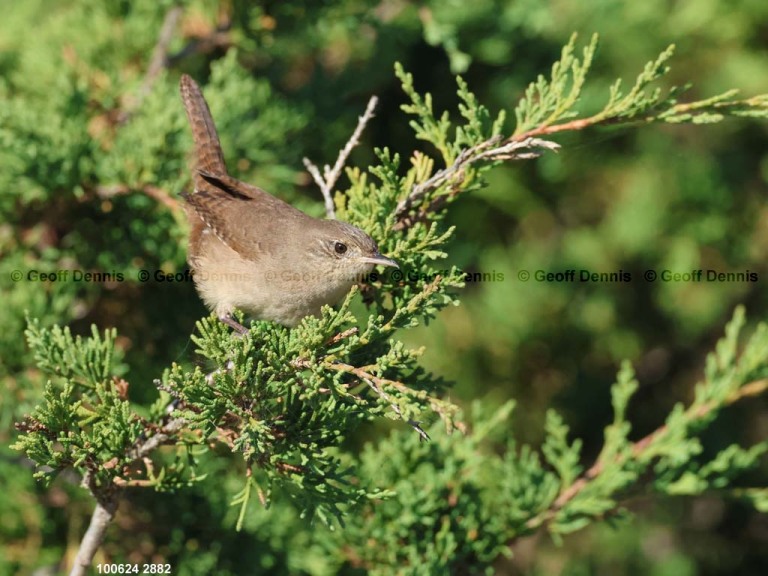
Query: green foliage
(547, 102)
(478, 128)
(288, 397)
(456, 503)
(442, 518)
(728, 371)
(83, 423)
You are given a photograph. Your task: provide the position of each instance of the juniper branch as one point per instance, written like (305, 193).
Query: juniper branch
(108, 498)
(693, 414)
(635, 107)
(378, 383)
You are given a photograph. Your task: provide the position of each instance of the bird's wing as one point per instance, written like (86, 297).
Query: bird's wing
(247, 219)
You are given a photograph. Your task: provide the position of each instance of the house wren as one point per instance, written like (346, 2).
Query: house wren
(252, 251)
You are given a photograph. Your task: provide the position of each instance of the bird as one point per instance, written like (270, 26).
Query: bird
(251, 251)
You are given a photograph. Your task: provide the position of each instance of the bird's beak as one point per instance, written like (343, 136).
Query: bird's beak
(379, 260)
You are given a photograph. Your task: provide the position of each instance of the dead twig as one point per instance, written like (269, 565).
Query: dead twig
(330, 176)
(157, 63)
(451, 177)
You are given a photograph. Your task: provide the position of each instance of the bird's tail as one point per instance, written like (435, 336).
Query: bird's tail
(207, 146)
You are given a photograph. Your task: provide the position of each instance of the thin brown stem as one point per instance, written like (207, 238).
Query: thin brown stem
(452, 177)
(157, 63)
(330, 176)
(378, 384)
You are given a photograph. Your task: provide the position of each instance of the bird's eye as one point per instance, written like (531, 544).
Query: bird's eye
(340, 247)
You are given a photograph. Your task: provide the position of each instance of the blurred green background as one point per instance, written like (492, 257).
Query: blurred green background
(91, 165)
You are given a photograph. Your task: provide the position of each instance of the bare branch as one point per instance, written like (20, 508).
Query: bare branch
(314, 171)
(100, 520)
(453, 176)
(160, 53)
(157, 440)
(162, 196)
(158, 61)
(330, 176)
(342, 336)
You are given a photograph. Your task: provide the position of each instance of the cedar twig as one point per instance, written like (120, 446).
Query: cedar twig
(378, 384)
(748, 390)
(108, 499)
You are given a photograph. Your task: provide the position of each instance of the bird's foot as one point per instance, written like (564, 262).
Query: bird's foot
(234, 324)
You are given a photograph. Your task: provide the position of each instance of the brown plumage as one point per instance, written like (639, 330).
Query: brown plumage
(252, 251)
